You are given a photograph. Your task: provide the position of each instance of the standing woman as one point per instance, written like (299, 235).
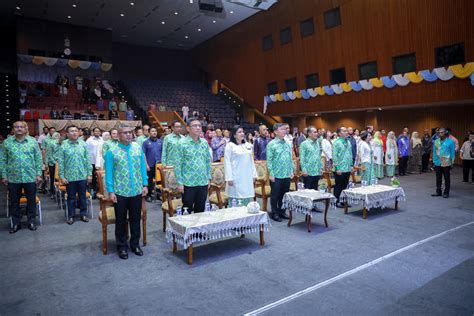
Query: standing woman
(414, 163)
(239, 167)
(391, 155)
(366, 157)
(377, 148)
(326, 147)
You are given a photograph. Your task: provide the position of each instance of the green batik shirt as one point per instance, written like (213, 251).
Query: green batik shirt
(141, 139)
(279, 159)
(170, 149)
(108, 145)
(193, 162)
(21, 161)
(125, 170)
(310, 157)
(51, 151)
(73, 161)
(342, 155)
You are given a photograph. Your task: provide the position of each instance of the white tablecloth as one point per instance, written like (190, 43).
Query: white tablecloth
(373, 196)
(229, 222)
(303, 201)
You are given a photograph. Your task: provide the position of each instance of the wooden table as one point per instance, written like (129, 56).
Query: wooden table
(231, 222)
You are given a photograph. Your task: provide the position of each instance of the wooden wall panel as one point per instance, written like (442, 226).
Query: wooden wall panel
(371, 30)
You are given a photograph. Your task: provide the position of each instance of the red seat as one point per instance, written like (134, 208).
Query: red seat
(27, 116)
(36, 115)
(45, 116)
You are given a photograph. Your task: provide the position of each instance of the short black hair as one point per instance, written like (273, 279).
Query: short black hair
(52, 127)
(174, 122)
(364, 135)
(69, 127)
(277, 126)
(339, 129)
(192, 119)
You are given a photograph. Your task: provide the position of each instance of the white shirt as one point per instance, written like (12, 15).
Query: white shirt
(92, 145)
(466, 151)
(239, 167)
(378, 152)
(365, 152)
(327, 148)
(289, 139)
(41, 138)
(391, 154)
(185, 110)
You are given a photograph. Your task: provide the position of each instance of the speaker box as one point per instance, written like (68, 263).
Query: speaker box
(207, 5)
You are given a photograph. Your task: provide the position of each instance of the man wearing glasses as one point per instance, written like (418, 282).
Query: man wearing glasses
(126, 180)
(193, 167)
(21, 167)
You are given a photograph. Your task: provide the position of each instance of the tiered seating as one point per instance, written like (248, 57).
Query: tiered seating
(174, 94)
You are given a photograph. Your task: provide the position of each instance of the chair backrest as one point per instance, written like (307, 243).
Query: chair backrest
(296, 166)
(158, 172)
(217, 174)
(168, 179)
(100, 181)
(262, 171)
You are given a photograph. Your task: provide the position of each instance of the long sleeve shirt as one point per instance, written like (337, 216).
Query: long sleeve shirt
(279, 159)
(342, 155)
(467, 150)
(218, 147)
(153, 149)
(326, 147)
(444, 152)
(310, 157)
(125, 170)
(92, 144)
(353, 142)
(193, 162)
(51, 152)
(170, 149)
(259, 148)
(73, 161)
(20, 161)
(141, 139)
(427, 144)
(403, 146)
(239, 167)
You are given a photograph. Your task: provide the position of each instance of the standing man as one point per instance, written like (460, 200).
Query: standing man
(51, 158)
(75, 171)
(170, 145)
(92, 145)
(146, 133)
(443, 157)
(152, 149)
(43, 136)
(353, 141)
(21, 167)
(193, 167)
(112, 142)
(185, 110)
(280, 169)
(126, 181)
(467, 156)
(260, 143)
(310, 159)
(403, 152)
(342, 161)
(427, 144)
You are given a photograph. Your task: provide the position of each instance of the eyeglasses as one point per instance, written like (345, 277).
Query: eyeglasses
(195, 125)
(18, 126)
(126, 132)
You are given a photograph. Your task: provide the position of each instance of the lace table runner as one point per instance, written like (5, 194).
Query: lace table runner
(304, 201)
(373, 196)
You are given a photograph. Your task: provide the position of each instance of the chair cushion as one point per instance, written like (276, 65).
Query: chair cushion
(176, 203)
(258, 190)
(110, 213)
(292, 186)
(213, 198)
(24, 201)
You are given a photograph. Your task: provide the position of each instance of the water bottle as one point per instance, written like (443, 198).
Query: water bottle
(350, 185)
(179, 211)
(239, 204)
(364, 183)
(214, 208)
(234, 203)
(185, 211)
(208, 207)
(300, 186)
(376, 181)
(372, 181)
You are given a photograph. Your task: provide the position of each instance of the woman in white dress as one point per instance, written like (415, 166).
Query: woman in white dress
(326, 146)
(391, 155)
(377, 148)
(239, 168)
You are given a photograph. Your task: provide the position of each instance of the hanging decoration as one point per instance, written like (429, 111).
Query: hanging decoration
(60, 62)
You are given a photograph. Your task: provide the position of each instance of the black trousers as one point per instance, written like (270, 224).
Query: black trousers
(311, 182)
(14, 193)
(133, 207)
(151, 176)
(342, 181)
(466, 166)
(52, 171)
(402, 167)
(94, 180)
(279, 188)
(443, 172)
(76, 190)
(425, 159)
(194, 198)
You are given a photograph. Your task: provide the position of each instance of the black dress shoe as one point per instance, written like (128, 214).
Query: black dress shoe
(436, 194)
(138, 251)
(148, 199)
(70, 221)
(14, 229)
(123, 254)
(32, 226)
(275, 217)
(284, 216)
(339, 205)
(84, 219)
(445, 195)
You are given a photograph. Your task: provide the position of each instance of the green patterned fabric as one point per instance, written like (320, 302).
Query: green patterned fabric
(279, 159)
(170, 149)
(378, 171)
(367, 171)
(141, 139)
(73, 161)
(342, 155)
(51, 151)
(390, 170)
(310, 157)
(125, 170)
(21, 161)
(111, 143)
(193, 162)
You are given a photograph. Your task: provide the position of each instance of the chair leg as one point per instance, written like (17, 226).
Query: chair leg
(144, 230)
(264, 202)
(40, 214)
(164, 221)
(104, 239)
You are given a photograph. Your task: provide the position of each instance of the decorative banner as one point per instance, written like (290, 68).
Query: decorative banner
(401, 80)
(60, 62)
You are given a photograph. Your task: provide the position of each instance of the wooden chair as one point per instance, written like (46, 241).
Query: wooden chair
(216, 191)
(297, 174)
(170, 196)
(158, 185)
(326, 176)
(356, 178)
(23, 203)
(59, 187)
(107, 212)
(262, 184)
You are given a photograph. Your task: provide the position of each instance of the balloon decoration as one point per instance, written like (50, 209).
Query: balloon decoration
(60, 62)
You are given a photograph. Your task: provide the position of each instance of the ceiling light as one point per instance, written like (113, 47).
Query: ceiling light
(340, 111)
(213, 21)
(186, 36)
(162, 22)
(176, 13)
(18, 8)
(74, 5)
(199, 30)
(131, 3)
(380, 109)
(315, 114)
(231, 12)
(121, 14)
(68, 16)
